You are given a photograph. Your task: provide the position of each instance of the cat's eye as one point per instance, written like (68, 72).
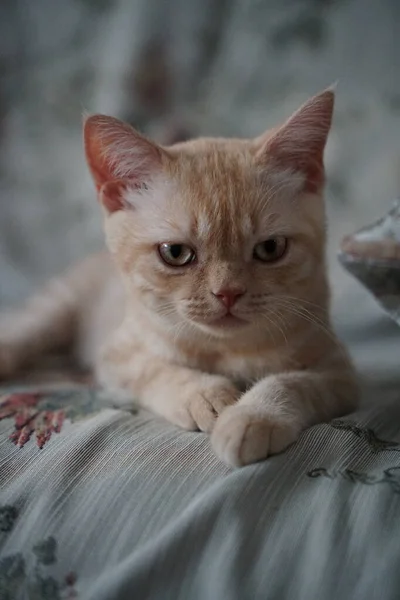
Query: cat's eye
(271, 250)
(176, 255)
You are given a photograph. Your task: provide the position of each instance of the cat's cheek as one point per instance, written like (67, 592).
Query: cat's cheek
(244, 435)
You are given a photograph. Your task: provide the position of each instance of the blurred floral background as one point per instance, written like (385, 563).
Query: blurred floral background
(185, 68)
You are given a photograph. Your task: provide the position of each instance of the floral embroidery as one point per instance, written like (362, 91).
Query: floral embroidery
(43, 413)
(28, 576)
(8, 516)
(390, 476)
(367, 435)
(46, 551)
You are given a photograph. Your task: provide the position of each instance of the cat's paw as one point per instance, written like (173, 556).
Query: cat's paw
(204, 402)
(244, 435)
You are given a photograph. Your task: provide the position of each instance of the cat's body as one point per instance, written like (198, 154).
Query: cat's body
(220, 295)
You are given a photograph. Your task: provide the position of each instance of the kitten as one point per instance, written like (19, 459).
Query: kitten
(219, 303)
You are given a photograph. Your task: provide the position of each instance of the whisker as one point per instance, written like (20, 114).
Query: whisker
(315, 318)
(282, 322)
(303, 301)
(312, 319)
(280, 325)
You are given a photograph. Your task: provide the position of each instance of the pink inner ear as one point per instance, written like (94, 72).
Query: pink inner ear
(112, 195)
(114, 150)
(300, 143)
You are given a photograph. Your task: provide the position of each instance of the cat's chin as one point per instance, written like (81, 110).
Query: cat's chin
(224, 326)
(228, 321)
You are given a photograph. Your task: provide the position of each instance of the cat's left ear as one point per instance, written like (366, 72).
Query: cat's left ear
(119, 159)
(299, 144)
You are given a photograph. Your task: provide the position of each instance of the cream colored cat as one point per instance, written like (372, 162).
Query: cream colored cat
(217, 315)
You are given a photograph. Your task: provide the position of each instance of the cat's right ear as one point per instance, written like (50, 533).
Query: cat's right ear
(299, 144)
(119, 159)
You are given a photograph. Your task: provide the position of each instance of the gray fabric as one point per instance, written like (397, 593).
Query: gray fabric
(139, 509)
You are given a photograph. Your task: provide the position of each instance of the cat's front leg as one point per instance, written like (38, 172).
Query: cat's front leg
(186, 397)
(272, 414)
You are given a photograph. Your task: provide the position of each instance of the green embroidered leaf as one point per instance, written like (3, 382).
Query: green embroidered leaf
(8, 516)
(12, 576)
(17, 578)
(46, 551)
(375, 443)
(44, 588)
(392, 476)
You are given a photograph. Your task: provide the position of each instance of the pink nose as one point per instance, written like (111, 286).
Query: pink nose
(229, 296)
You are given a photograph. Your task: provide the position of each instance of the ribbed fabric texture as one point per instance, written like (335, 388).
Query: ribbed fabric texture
(141, 510)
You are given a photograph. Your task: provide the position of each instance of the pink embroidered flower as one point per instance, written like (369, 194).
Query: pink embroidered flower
(42, 414)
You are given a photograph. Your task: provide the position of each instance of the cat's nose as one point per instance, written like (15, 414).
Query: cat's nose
(229, 296)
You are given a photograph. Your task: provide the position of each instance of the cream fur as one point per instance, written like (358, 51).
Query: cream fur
(152, 330)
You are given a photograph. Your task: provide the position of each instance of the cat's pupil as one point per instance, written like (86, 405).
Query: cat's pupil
(270, 246)
(176, 250)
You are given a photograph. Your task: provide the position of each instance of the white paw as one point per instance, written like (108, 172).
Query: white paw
(204, 403)
(243, 435)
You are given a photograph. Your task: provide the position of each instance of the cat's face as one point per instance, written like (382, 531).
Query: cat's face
(217, 235)
(221, 253)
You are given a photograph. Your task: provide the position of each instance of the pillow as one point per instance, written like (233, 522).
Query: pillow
(372, 255)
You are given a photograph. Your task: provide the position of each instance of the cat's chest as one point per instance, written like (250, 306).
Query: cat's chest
(244, 367)
(247, 367)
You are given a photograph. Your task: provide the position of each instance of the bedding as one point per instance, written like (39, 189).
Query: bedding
(101, 502)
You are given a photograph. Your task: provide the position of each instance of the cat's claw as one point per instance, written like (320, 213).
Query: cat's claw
(242, 436)
(209, 404)
(203, 406)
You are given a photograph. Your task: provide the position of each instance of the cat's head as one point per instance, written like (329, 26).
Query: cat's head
(217, 235)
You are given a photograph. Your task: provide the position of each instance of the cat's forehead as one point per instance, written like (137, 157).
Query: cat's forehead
(223, 192)
(215, 193)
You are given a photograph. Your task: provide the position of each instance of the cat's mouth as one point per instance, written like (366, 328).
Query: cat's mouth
(228, 320)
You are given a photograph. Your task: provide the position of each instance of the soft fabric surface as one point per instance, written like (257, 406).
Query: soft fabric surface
(123, 506)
